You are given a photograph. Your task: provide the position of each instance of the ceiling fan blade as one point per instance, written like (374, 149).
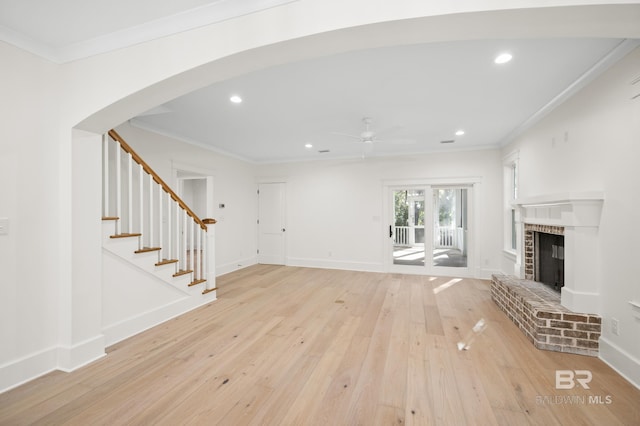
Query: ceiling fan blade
(347, 135)
(389, 130)
(396, 141)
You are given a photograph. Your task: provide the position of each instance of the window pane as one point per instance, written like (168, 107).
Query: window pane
(513, 229)
(450, 227)
(514, 181)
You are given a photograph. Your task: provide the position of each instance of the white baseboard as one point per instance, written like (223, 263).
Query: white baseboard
(22, 370)
(236, 265)
(73, 357)
(580, 301)
(622, 362)
(485, 274)
(27, 368)
(378, 267)
(333, 264)
(121, 330)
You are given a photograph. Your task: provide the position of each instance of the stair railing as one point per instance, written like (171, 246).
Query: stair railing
(143, 205)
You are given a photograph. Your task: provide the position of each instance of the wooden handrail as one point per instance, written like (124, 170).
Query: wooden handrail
(125, 146)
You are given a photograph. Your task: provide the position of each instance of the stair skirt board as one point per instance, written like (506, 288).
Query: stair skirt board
(142, 300)
(114, 333)
(163, 274)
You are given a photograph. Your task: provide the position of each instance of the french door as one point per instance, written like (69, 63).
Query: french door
(429, 229)
(407, 230)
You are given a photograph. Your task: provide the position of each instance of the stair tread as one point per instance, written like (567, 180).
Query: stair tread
(196, 282)
(209, 290)
(182, 272)
(125, 235)
(147, 249)
(166, 262)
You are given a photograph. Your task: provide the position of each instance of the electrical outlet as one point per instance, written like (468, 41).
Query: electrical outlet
(615, 326)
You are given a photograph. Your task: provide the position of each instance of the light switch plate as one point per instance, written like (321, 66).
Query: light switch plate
(4, 226)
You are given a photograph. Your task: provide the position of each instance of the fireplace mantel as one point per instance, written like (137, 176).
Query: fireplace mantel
(579, 213)
(565, 209)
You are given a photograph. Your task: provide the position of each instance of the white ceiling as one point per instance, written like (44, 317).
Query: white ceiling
(416, 95)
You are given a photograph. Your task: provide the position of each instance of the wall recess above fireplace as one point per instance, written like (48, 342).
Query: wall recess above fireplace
(579, 215)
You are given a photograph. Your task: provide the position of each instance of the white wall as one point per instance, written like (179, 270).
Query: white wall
(600, 152)
(80, 324)
(337, 206)
(234, 186)
(29, 262)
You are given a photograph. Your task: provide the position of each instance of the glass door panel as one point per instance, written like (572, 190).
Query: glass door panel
(408, 231)
(450, 227)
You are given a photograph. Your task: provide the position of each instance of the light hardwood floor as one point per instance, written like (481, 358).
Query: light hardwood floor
(298, 346)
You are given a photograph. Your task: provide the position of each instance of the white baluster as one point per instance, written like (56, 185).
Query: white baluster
(129, 193)
(160, 224)
(151, 211)
(184, 240)
(204, 255)
(192, 258)
(118, 191)
(141, 201)
(105, 175)
(199, 251)
(177, 226)
(169, 220)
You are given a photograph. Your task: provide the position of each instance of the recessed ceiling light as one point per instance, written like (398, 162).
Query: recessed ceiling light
(460, 132)
(503, 58)
(235, 99)
(308, 145)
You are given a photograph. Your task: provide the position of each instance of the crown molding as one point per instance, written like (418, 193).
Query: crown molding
(218, 11)
(617, 53)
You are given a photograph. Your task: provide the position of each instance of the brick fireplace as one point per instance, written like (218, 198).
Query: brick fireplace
(577, 217)
(569, 320)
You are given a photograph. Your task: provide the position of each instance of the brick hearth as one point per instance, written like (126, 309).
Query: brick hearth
(537, 311)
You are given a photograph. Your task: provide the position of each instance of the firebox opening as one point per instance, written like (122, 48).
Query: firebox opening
(549, 257)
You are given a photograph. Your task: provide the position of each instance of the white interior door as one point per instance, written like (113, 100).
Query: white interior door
(271, 223)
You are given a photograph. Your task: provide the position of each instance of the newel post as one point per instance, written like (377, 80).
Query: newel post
(210, 256)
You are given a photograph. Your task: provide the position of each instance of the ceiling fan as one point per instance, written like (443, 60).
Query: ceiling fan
(369, 136)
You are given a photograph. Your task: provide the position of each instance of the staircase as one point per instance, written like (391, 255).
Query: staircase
(151, 236)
